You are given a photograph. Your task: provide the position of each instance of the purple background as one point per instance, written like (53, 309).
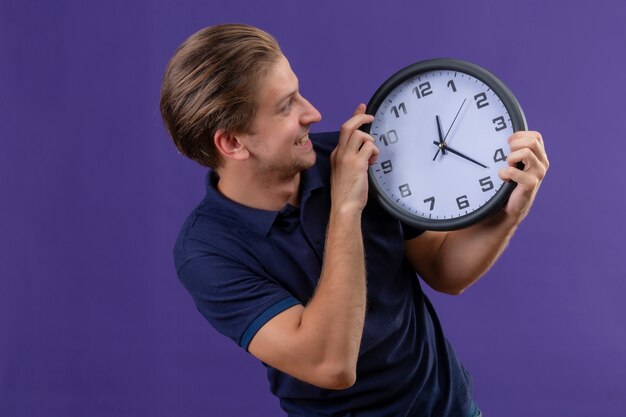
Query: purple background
(93, 321)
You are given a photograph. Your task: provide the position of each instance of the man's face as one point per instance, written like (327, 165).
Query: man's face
(279, 145)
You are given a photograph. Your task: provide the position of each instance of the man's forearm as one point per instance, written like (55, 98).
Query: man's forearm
(335, 315)
(474, 250)
(320, 343)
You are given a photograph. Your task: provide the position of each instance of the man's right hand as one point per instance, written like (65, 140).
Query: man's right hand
(355, 151)
(319, 343)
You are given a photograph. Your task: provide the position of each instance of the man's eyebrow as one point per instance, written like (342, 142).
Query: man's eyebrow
(284, 97)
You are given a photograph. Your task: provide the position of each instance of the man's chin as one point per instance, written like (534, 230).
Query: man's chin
(304, 163)
(310, 161)
(285, 171)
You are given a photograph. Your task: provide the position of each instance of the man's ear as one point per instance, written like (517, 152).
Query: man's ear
(229, 146)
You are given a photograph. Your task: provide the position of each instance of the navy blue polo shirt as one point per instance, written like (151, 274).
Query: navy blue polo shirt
(243, 266)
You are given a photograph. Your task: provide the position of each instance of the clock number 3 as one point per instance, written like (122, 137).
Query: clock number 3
(500, 123)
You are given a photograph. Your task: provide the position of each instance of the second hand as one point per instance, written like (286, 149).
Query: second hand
(450, 128)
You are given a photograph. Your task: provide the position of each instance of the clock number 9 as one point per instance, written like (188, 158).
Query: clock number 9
(386, 166)
(389, 137)
(423, 90)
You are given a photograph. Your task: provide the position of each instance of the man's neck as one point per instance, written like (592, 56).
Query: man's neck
(260, 193)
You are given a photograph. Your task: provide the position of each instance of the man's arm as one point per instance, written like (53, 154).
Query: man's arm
(319, 343)
(451, 261)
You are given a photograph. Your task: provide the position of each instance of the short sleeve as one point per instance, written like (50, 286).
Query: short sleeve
(411, 232)
(234, 300)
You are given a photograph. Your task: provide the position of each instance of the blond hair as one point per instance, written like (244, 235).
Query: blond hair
(211, 83)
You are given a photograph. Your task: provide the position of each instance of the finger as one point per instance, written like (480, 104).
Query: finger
(374, 157)
(522, 178)
(360, 109)
(357, 140)
(530, 161)
(532, 136)
(368, 151)
(351, 126)
(532, 142)
(525, 156)
(527, 133)
(526, 137)
(529, 143)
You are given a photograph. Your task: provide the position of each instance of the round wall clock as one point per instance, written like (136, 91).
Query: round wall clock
(442, 129)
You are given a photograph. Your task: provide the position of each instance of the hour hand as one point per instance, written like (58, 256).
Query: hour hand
(445, 147)
(440, 132)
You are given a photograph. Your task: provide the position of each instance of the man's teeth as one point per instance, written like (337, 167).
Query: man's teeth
(302, 140)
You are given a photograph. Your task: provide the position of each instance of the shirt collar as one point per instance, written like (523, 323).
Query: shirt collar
(260, 221)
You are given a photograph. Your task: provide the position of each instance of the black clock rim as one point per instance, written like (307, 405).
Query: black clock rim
(518, 121)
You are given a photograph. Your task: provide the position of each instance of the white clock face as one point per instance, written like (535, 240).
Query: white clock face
(442, 138)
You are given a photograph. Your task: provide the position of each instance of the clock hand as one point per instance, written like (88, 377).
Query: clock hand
(440, 138)
(442, 146)
(442, 149)
(454, 120)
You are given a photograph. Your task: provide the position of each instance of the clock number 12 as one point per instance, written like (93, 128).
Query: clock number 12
(423, 90)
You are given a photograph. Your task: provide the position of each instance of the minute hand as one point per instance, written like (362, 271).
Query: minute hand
(449, 129)
(443, 146)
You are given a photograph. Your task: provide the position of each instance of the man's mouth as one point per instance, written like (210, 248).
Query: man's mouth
(302, 139)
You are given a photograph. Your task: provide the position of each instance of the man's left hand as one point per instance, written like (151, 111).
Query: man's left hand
(526, 147)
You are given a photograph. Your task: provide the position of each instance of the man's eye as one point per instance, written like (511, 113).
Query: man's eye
(287, 106)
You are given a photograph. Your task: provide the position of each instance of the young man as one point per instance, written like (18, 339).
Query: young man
(286, 256)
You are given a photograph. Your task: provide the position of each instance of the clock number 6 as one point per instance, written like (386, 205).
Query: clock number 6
(462, 202)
